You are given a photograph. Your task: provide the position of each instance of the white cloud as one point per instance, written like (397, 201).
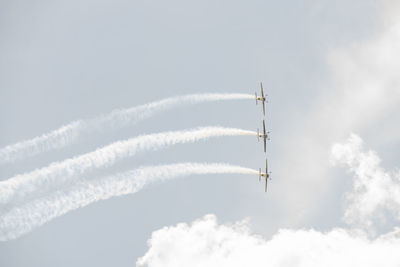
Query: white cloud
(362, 96)
(364, 85)
(207, 243)
(374, 189)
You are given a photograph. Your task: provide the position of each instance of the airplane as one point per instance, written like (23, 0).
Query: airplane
(264, 135)
(261, 98)
(266, 174)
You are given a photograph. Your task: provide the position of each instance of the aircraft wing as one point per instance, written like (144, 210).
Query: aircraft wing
(266, 174)
(262, 91)
(266, 184)
(264, 137)
(263, 103)
(265, 144)
(264, 128)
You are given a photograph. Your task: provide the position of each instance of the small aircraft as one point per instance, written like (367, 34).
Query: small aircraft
(264, 174)
(264, 135)
(261, 98)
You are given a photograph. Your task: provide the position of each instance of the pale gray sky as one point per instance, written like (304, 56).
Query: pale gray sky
(67, 60)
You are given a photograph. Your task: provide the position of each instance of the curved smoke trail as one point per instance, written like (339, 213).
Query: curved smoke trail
(23, 219)
(69, 133)
(55, 175)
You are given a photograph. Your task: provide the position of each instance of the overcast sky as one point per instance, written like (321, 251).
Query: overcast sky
(330, 69)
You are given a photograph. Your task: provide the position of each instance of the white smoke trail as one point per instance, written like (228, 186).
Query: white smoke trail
(56, 174)
(68, 134)
(22, 219)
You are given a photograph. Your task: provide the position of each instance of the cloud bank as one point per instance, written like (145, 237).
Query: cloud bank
(205, 242)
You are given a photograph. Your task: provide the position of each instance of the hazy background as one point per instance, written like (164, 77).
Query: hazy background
(65, 60)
